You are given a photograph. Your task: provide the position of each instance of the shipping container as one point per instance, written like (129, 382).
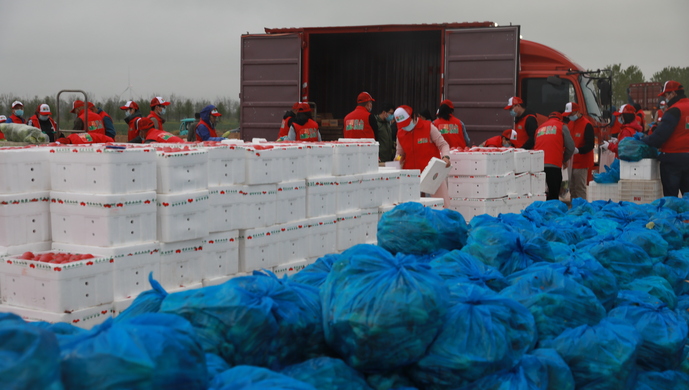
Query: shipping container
(646, 94)
(478, 66)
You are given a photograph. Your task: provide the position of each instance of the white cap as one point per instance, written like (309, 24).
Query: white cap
(662, 102)
(513, 136)
(17, 103)
(3, 119)
(44, 109)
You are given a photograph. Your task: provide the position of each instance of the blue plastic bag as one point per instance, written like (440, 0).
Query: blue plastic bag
(215, 365)
(683, 307)
(327, 373)
(458, 266)
(556, 301)
(601, 356)
(150, 351)
(624, 213)
(530, 374)
(65, 332)
(258, 320)
(381, 312)
(679, 205)
(316, 273)
(462, 353)
(631, 149)
(655, 286)
(610, 175)
(413, 228)
(255, 378)
(559, 375)
(663, 331)
(541, 212)
(675, 269)
(627, 261)
(390, 380)
(667, 228)
(649, 240)
(147, 302)
(654, 380)
(29, 356)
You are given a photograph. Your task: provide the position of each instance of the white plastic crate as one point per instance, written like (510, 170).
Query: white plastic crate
(24, 169)
(103, 220)
(295, 240)
(259, 203)
(371, 190)
(536, 198)
(321, 196)
(346, 158)
(290, 268)
(264, 163)
(56, 288)
(522, 183)
(348, 192)
(410, 185)
(640, 191)
(349, 229)
(511, 183)
(516, 203)
(322, 235)
(227, 212)
(537, 183)
(469, 208)
(133, 264)
(85, 318)
(480, 163)
(183, 216)
(368, 157)
(24, 218)
(259, 248)
(226, 165)
(294, 167)
(319, 159)
(603, 191)
(369, 225)
(222, 255)
(434, 203)
(181, 264)
(385, 208)
(646, 169)
(390, 186)
(522, 160)
(434, 175)
(537, 160)
(19, 249)
(479, 186)
(102, 169)
(290, 201)
(182, 171)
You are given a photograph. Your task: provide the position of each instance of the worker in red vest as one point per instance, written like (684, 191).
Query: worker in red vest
(95, 122)
(671, 137)
(504, 140)
(360, 123)
(525, 122)
(581, 130)
(304, 128)
(131, 113)
(418, 141)
(85, 138)
(205, 130)
(629, 126)
(17, 113)
(158, 111)
(452, 129)
(287, 119)
(149, 134)
(553, 138)
(42, 119)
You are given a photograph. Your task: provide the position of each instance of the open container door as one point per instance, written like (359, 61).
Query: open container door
(481, 68)
(270, 80)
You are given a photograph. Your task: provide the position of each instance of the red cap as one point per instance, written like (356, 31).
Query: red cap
(158, 101)
(512, 101)
(130, 104)
(448, 103)
(91, 105)
(143, 124)
(215, 112)
(627, 109)
(670, 86)
(403, 116)
(510, 134)
(303, 107)
(364, 97)
(295, 106)
(555, 114)
(76, 104)
(570, 108)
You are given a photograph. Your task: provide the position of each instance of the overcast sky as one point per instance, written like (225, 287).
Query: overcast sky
(192, 47)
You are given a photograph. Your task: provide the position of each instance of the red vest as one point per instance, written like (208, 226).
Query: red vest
(679, 140)
(157, 120)
(95, 124)
(356, 124)
(211, 130)
(307, 132)
(33, 121)
(451, 130)
(89, 138)
(284, 128)
(495, 142)
(161, 136)
(133, 132)
(550, 140)
(15, 119)
(576, 129)
(418, 146)
(520, 128)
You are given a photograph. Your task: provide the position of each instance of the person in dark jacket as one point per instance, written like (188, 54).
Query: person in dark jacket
(43, 120)
(386, 137)
(671, 137)
(205, 130)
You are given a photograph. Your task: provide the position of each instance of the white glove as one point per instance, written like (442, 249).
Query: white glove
(613, 140)
(605, 145)
(576, 150)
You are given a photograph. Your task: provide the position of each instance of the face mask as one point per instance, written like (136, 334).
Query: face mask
(162, 112)
(410, 126)
(512, 113)
(619, 119)
(573, 117)
(506, 143)
(43, 117)
(390, 118)
(18, 112)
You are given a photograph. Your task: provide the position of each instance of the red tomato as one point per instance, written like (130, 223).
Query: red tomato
(28, 256)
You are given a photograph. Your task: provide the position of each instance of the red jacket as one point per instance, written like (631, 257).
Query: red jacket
(520, 128)
(307, 132)
(356, 124)
(452, 131)
(495, 142)
(132, 132)
(15, 119)
(627, 130)
(284, 126)
(89, 138)
(418, 146)
(33, 121)
(679, 140)
(157, 120)
(95, 124)
(211, 130)
(550, 140)
(155, 135)
(577, 129)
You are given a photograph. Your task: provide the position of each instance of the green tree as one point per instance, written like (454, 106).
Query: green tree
(673, 73)
(621, 78)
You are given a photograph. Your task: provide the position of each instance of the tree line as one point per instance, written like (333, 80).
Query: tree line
(621, 78)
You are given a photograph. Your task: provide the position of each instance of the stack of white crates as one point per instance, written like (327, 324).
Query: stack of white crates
(489, 181)
(639, 183)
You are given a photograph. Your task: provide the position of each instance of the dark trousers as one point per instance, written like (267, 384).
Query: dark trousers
(553, 179)
(675, 178)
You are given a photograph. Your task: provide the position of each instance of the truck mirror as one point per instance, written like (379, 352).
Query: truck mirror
(605, 92)
(554, 80)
